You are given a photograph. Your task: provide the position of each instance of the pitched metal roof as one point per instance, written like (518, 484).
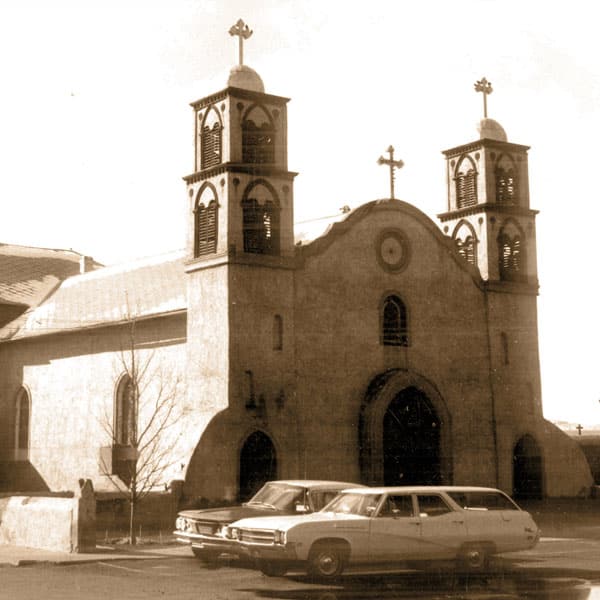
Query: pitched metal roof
(28, 275)
(142, 288)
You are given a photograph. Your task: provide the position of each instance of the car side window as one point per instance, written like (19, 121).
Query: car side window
(322, 498)
(432, 505)
(397, 506)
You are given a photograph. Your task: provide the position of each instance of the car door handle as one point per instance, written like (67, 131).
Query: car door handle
(458, 522)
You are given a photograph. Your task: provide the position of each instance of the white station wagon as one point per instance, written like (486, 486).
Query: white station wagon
(390, 525)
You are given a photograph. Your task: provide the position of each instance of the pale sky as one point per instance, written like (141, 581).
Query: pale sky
(96, 128)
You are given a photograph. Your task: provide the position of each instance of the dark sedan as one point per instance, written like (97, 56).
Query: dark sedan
(204, 529)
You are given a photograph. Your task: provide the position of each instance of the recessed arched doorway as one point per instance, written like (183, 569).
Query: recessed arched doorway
(411, 440)
(404, 432)
(527, 469)
(258, 464)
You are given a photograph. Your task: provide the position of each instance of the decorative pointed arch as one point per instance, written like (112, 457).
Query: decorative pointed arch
(211, 139)
(22, 424)
(380, 397)
(505, 173)
(466, 241)
(512, 258)
(465, 178)
(260, 214)
(394, 321)
(206, 213)
(258, 136)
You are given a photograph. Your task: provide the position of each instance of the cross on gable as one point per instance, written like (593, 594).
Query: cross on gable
(243, 32)
(485, 87)
(393, 164)
(579, 428)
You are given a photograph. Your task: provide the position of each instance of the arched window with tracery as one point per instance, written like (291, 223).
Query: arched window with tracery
(125, 427)
(394, 322)
(466, 242)
(22, 424)
(260, 220)
(206, 222)
(506, 181)
(466, 183)
(211, 135)
(511, 254)
(258, 137)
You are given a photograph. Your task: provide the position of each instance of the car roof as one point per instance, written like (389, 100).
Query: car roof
(420, 489)
(319, 483)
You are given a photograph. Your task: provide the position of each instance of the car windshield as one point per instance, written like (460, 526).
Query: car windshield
(279, 496)
(354, 504)
(483, 500)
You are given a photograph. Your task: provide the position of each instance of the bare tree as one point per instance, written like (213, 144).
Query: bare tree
(146, 410)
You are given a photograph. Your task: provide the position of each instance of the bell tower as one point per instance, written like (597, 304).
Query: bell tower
(488, 215)
(490, 220)
(240, 259)
(240, 197)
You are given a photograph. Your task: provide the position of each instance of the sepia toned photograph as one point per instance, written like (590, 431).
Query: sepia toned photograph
(298, 300)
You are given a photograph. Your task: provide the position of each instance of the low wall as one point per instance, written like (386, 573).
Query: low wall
(51, 523)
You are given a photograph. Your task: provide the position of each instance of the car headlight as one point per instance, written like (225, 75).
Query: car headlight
(279, 537)
(180, 524)
(233, 533)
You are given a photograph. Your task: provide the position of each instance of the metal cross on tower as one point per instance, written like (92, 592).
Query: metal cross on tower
(485, 87)
(393, 164)
(243, 32)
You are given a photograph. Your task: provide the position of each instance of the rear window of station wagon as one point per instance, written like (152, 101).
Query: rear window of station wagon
(483, 500)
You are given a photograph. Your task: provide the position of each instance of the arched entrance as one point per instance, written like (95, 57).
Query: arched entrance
(527, 469)
(404, 431)
(258, 464)
(411, 440)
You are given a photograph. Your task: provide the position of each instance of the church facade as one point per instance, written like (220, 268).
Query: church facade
(389, 350)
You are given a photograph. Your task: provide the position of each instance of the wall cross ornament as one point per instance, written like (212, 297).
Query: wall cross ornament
(393, 164)
(485, 87)
(243, 32)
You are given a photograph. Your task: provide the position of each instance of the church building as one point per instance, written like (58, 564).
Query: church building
(390, 349)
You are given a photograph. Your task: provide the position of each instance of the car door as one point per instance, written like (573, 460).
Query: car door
(395, 530)
(443, 528)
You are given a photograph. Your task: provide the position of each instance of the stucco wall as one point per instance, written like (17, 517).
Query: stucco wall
(72, 381)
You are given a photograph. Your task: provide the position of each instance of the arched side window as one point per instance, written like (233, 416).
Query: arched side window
(506, 181)
(466, 242)
(22, 425)
(260, 220)
(511, 254)
(258, 137)
(206, 222)
(125, 427)
(211, 139)
(394, 322)
(466, 183)
(277, 332)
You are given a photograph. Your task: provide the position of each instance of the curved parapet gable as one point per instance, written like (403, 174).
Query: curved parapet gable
(339, 228)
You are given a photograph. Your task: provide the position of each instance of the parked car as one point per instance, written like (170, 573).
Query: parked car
(390, 525)
(204, 529)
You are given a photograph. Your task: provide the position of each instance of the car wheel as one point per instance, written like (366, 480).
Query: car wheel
(326, 561)
(272, 568)
(205, 556)
(474, 558)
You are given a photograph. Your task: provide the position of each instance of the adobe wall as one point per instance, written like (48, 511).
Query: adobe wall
(337, 314)
(63, 524)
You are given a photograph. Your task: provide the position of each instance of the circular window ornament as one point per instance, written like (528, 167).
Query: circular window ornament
(393, 250)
